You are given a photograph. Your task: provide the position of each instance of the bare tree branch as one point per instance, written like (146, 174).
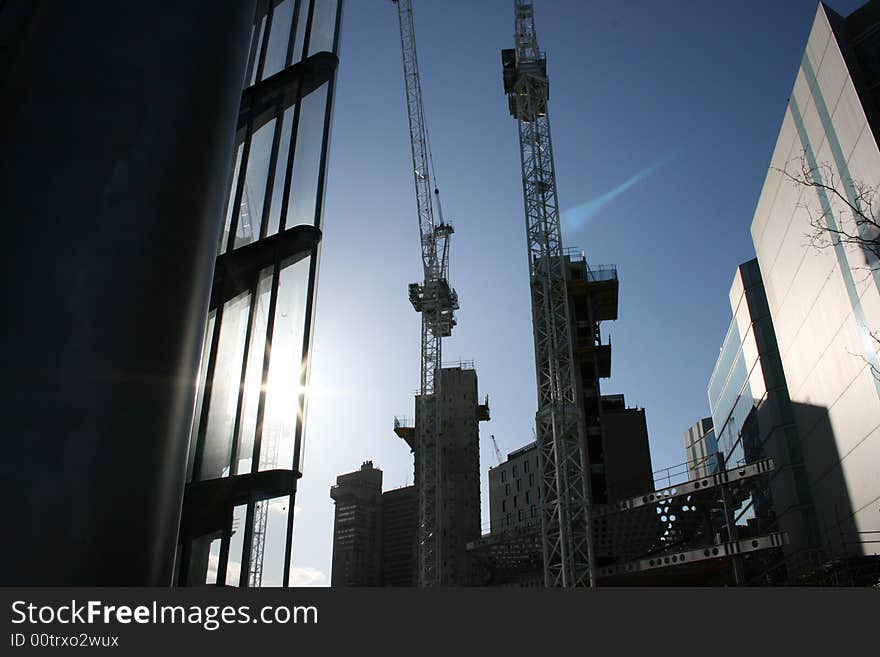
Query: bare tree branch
(830, 223)
(853, 197)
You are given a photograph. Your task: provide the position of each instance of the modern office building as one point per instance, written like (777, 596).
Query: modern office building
(358, 528)
(399, 524)
(166, 132)
(824, 296)
(701, 449)
(753, 419)
(247, 432)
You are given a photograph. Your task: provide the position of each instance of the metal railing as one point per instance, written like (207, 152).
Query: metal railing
(601, 273)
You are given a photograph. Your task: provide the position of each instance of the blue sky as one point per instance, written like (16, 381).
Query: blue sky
(664, 116)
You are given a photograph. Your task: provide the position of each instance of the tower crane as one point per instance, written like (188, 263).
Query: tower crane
(437, 303)
(566, 532)
(498, 456)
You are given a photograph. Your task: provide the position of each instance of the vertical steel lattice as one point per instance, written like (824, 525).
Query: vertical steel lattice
(436, 301)
(565, 521)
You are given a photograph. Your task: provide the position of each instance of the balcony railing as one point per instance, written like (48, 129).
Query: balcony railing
(601, 273)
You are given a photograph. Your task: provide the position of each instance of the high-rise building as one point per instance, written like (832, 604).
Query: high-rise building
(459, 475)
(701, 449)
(374, 533)
(753, 419)
(358, 528)
(823, 293)
(400, 517)
(248, 427)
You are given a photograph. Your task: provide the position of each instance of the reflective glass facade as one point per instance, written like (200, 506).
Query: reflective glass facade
(753, 418)
(247, 435)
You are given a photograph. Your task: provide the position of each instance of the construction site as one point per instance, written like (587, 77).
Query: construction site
(579, 506)
(164, 388)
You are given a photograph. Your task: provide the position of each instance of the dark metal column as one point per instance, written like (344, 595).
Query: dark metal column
(116, 123)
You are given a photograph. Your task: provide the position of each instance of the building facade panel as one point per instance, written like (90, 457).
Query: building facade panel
(824, 326)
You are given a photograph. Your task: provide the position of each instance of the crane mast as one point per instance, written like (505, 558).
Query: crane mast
(437, 303)
(566, 533)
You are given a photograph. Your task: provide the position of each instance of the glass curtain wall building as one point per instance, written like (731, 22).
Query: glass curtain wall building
(246, 450)
(753, 419)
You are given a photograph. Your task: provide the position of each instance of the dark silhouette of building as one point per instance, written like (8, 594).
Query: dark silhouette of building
(459, 480)
(165, 221)
(374, 533)
(399, 524)
(627, 455)
(111, 226)
(514, 485)
(358, 528)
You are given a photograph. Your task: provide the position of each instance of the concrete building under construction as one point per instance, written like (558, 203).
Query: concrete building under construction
(458, 481)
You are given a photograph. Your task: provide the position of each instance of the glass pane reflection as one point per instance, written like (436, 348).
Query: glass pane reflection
(279, 37)
(269, 542)
(200, 391)
(253, 377)
(230, 200)
(280, 173)
(282, 388)
(307, 160)
(224, 389)
(323, 26)
(251, 211)
(236, 545)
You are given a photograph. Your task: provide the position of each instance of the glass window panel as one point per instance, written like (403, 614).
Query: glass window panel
(213, 561)
(270, 529)
(253, 377)
(254, 61)
(282, 386)
(280, 173)
(279, 37)
(323, 26)
(200, 391)
(200, 562)
(224, 391)
(301, 21)
(307, 159)
(255, 186)
(236, 545)
(230, 201)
